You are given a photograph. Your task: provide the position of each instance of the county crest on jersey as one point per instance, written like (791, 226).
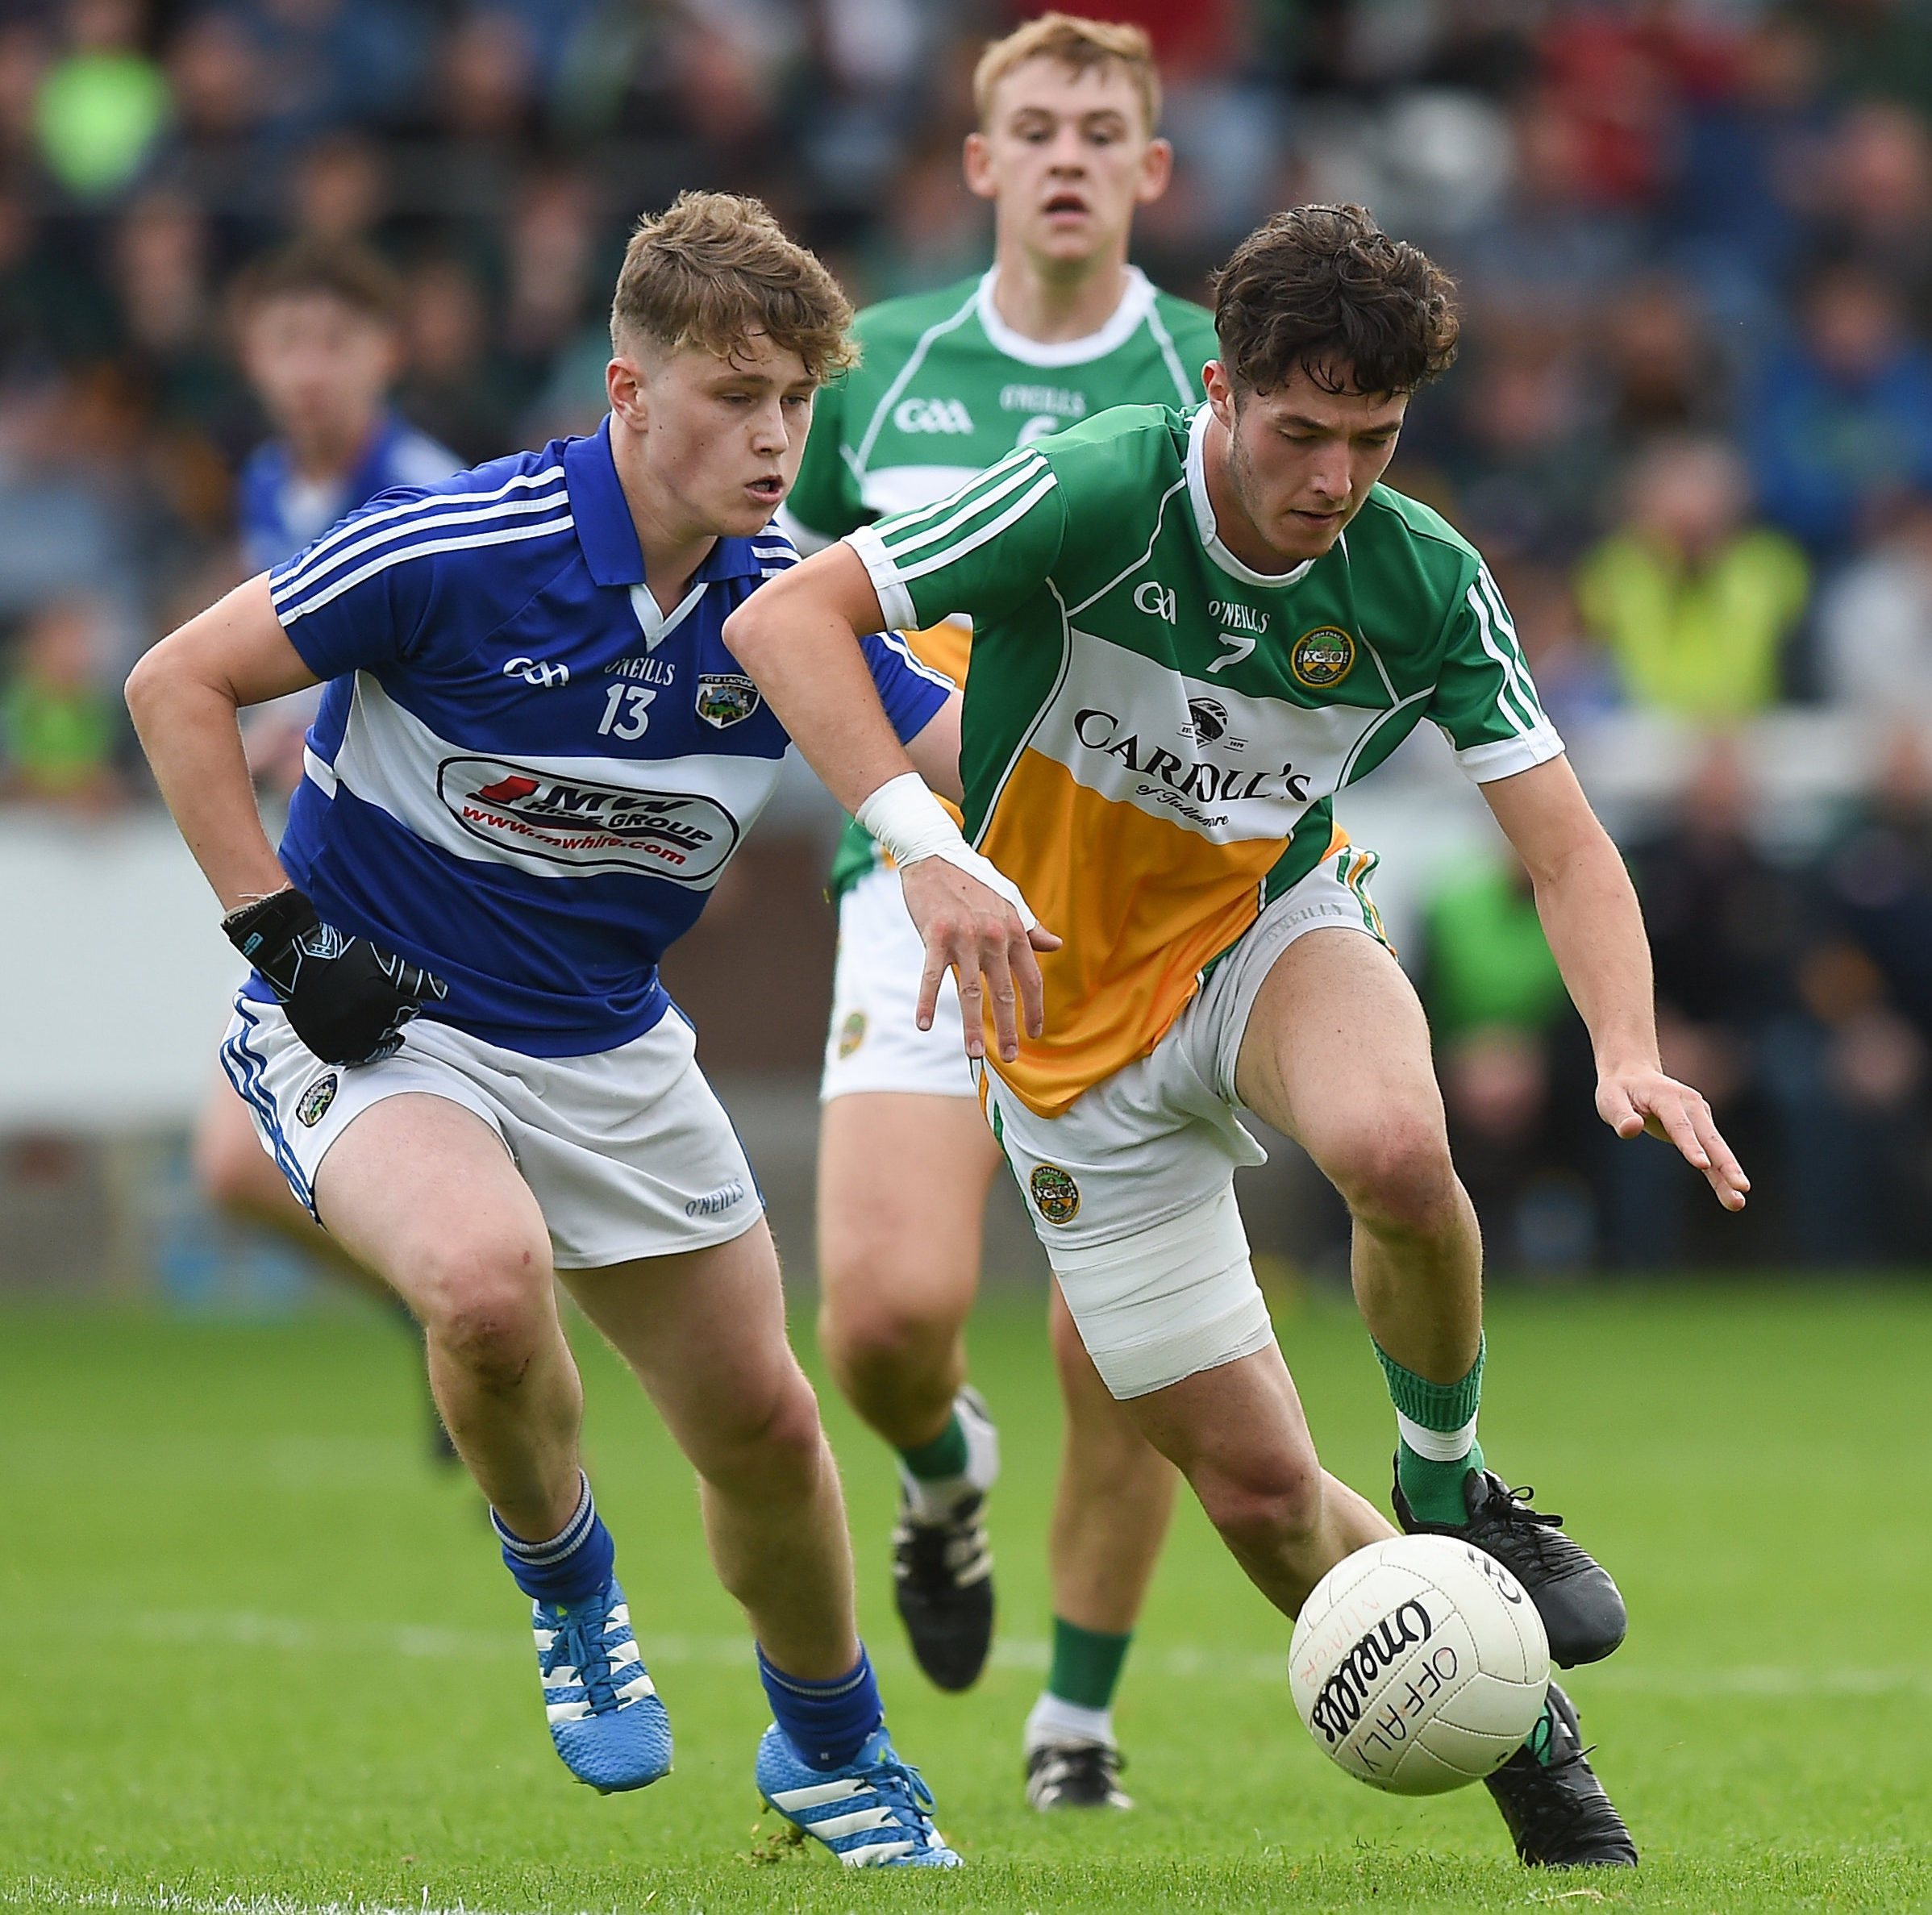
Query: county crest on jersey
(1154, 732)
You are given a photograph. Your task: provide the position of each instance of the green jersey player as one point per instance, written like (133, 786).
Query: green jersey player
(949, 382)
(1190, 634)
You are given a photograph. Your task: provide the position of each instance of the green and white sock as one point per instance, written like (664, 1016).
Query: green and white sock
(1436, 1422)
(944, 1456)
(1541, 1741)
(1077, 1703)
(962, 1460)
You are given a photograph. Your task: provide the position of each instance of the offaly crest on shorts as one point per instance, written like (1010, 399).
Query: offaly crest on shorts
(1322, 657)
(725, 698)
(1055, 1194)
(852, 1034)
(316, 1100)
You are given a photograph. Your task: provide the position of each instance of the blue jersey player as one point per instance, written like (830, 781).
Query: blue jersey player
(321, 343)
(320, 338)
(534, 757)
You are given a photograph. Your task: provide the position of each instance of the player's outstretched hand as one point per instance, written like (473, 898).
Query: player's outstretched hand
(1632, 1102)
(976, 934)
(346, 999)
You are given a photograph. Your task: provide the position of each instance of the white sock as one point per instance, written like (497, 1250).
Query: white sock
(1054, 1720)
(936, 1500)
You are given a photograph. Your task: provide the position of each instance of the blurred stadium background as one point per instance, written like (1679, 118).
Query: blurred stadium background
(1691, 428)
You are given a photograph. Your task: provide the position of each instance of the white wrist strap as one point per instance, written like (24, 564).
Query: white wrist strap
(912, 825)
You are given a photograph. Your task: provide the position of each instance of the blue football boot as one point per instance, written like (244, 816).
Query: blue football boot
(875, 1813)
(605, 1716)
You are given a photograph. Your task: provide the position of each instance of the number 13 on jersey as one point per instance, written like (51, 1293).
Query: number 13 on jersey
(635, 701)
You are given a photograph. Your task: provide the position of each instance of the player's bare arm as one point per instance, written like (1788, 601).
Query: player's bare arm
(1591, 917)
(346, 998)
(799, 640)
(183, 696)
(934, 752)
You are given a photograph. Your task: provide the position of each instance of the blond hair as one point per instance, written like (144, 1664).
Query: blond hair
(1077, 44)
(715, 270)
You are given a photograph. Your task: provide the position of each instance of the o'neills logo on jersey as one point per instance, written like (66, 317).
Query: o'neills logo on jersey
(1322, 657)
(1184, 780)
(587, 826)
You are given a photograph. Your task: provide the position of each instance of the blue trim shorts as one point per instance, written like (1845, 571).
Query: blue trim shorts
(628, 1152)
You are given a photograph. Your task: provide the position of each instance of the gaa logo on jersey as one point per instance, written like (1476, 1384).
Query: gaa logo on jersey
(725, 698)
(1322, 657)
(1055, 1195)
(932, 415)
(316, 1100)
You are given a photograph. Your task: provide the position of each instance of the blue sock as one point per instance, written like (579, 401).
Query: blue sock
(826, 1722)
(573, 1566)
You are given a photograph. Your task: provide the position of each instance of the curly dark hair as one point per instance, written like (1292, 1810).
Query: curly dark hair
(1324, 289)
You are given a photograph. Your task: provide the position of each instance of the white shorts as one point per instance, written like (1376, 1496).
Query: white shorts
(627, 1151)
(1131, 1188)
(875, 1042)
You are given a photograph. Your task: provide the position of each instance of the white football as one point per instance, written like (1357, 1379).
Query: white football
(1419, 1664)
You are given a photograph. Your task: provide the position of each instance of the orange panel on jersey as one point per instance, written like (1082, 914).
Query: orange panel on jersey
(1141, 906)
(945, 647)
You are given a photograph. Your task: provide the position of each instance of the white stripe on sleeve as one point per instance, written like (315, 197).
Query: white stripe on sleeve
(953, 554)
(507, 535)
(351, 528)
(312, 576)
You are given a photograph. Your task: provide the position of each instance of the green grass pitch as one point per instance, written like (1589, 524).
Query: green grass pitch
(258, 1657)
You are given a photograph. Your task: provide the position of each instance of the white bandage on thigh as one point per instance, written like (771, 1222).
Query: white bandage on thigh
(1166, 1302)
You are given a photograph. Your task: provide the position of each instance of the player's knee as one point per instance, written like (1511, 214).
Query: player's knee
(1398, 1176)
(877, 1334)
(792, 1441)
(485, 1307)
(771, 1441)
(1259, 1502)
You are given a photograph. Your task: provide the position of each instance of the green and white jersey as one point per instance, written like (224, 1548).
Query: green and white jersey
(946, 388)
(1154, 732)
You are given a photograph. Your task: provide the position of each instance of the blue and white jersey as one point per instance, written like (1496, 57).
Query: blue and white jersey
(525, 776)
(279, 511)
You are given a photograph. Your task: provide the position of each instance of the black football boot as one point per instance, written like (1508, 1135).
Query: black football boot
(1582, 1610)
(1558, 1814)
(942, 1581)
(1076, 1775)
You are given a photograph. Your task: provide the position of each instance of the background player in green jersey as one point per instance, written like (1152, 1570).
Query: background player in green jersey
(1100, 567)
(951, 381)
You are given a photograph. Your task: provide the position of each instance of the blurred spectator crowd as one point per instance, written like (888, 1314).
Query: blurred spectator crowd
(1691, 427)
(1796, 992)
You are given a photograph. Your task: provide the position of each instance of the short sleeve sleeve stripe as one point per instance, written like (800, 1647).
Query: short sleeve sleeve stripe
(1516, 697)
(419, 528)
(942, 549)
(972, 515)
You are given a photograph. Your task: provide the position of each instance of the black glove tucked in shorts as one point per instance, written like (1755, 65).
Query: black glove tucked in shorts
(347, 1000)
